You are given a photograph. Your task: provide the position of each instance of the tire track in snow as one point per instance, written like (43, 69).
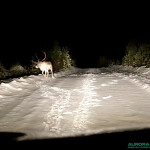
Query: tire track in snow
(54, 116)
(89, 100)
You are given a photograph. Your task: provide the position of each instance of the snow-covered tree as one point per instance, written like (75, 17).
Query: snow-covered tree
(131, 50)
(142, 57)
(60, 57)
(17, 69)
(137, 55)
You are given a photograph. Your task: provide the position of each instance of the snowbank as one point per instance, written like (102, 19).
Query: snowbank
(139, 75)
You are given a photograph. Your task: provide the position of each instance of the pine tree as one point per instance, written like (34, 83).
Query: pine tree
(138, 59)
(131, 50)
(142, 57)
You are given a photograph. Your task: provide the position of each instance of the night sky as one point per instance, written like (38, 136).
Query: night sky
(87, 34)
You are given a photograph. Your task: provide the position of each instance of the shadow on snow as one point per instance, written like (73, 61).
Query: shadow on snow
(117, 140)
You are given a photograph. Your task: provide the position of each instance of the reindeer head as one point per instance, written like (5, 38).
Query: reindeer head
(38, 63)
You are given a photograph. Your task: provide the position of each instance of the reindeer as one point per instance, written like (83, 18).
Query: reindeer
(45, 66)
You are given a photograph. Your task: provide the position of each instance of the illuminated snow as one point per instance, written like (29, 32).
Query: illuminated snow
(76, 102)
(107, 97)
(104, 85)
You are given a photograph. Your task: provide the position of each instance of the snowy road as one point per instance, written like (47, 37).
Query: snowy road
(86, 101)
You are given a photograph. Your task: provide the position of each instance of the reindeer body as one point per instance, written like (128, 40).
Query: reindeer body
(45, 66)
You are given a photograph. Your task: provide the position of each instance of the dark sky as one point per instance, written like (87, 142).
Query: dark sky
(87, 34)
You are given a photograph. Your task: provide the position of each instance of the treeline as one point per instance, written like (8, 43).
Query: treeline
(59, 56)
(137, 54)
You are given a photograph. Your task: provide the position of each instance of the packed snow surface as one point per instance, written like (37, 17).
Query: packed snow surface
(76, 102)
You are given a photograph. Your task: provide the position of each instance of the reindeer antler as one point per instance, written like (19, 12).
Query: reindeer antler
(45, 55)
(33, 62)
(37, 57)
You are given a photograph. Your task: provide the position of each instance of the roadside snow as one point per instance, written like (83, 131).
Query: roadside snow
(138, 75)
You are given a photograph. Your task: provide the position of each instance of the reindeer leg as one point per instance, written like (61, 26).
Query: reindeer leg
(43, 73)
(52, 73)
(47, 73)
